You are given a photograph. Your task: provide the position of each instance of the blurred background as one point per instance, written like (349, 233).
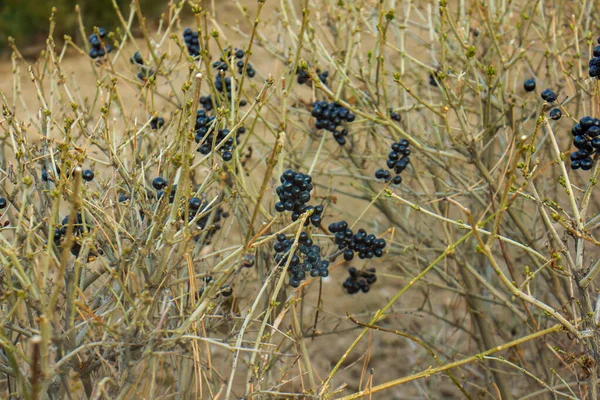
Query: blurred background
(27, 20)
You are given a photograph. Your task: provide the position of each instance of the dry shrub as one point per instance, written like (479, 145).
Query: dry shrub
(487, 284)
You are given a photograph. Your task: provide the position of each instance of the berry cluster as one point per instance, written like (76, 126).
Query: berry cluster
(157, 122)
(225, 290)
(145, 71)
(366, 245)
(223, 82)
(207, 139)
(160, 184)
(303, 76)
(206, 102)
(197, 206)
(398, 160)
(331, 115)
(595, 62)
(191, 42)
(294, 193)
(98, 50)
(221, 64)
(548, 96)
(586, 138)
(306, 258)
(359, 280)
(79, 228)
(394, 115)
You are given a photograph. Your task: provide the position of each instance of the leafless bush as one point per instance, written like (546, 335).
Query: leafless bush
(112, 289)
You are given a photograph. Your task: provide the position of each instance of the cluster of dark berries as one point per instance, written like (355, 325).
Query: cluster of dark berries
(225, 290)
(306, 258)
(395, 116)
(145, 71)
(197, 206)
(398, 160)
(359, 280)
(79, 228)
(294, 193)
(3, 203)
(206, 140)
(191, 42)
(221, 64)
(160, 184)
(529, 85)
(98, 51)
(595, 62)
(157, 122)
(366, 245)
(548, 96)
(330, 116)
(206, 102)
(223, 83)
(145, 74)
(303, 76)
(586, 138)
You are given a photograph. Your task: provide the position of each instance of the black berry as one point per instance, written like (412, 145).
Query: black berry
(529, 85)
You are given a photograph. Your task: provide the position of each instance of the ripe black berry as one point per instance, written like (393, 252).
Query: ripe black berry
(159, 183)
(248, 261)
(3, 203)
(87, 175)
(529, 85)
(137, 58)
(594, 67)
(555, 114)
(157, 122)
(548, 96)
(195, 203)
